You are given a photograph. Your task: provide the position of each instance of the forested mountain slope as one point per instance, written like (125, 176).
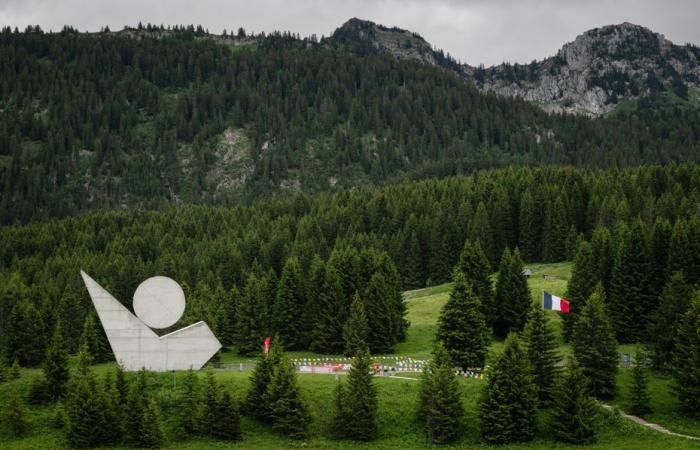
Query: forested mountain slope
(147, 117)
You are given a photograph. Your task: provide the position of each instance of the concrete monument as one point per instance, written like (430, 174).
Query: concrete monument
(158, 303)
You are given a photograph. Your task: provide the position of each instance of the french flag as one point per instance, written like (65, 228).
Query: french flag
(555, 303)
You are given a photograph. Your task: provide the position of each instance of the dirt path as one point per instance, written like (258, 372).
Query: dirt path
(653, 426)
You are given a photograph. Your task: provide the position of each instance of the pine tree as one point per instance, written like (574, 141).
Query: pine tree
(288, 410)
(56, 365)
(85, 409)
(508, 406)
(687, 359)
(289, 305)
(475, 266)
(530, 227)
(639, 395)
(92, 338)
(595, 347)
(462, 328)
(379, 304)
(512, 294)
(574, 415)
(425, 392)
(355, 415)
(554, 232)
(136, 409)
(355, 330)
(190, 401)
(630, 300)
(326, 309)
(441, 408)
(152, 435)
(541, 348)
(584, 277)
(226, 318)
(252, 316)
(227, 425)
(255, 404)
(663, 328)
(210, 404)
(480, 230)
(601, 246)
(14, 415)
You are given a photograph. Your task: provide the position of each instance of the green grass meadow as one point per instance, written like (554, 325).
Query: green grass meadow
(397, 397)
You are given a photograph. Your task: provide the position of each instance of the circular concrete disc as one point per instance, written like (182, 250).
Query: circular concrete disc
(159, 302)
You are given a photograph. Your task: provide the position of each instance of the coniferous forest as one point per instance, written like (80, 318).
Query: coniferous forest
(325, 196)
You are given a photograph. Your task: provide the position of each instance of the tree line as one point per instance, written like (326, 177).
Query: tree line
(373, 241)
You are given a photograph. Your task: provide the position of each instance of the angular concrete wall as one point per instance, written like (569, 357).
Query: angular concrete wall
(136, 346)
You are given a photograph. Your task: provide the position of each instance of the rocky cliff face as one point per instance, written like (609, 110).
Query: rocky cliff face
(589, 75)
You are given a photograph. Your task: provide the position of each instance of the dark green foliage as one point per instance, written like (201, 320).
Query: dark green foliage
(326, 309)
(475, 266)
(508, 405)
(595, 348)
(225, 328)
(25, 339)
(378, 300)
(530, 226)
(14, 415)
(631, 300)
(228, 422)
(288, 411)
(40, 391)
(356, 329)
(462, 328)
(93, 337)
(584, 278)
(255, 403)
(289, 305)
(440, 405)
(252, 316)
(686, 367)
(190, 403)
(541, 349)
(58, 419)
(151, 430)
(13, 372)
(86, 408)
(574, 416)
(639, 399)
(210, 404)
(512, 294)
(601, 244)
(554, 232)
(56, 365)
(663, 328)
(355, 414)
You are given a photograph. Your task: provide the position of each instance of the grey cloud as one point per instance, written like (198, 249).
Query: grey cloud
(474, 31)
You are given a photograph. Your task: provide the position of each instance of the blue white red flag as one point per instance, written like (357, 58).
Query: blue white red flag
(555, 303)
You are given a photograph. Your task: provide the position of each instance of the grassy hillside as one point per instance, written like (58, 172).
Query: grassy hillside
(396, 396)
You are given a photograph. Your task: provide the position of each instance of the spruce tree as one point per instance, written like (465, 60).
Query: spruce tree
(462, 328)
(574, 411)
(601, 245)
(356, 329)
(255, 403)
(152, 435)
(541, 348)
(639, 394)
(379, 304)
(512, 294)
(508, 405)
(85, 408)
(475, 266)
(326, 309)
(554, 232)
(480, 230)
(252, 316)
(631, 302)
(594, 345)
(56, 365)
(289, 305)
(289, 412)
(14, 415)
(93, 340)
(355, 415)
(227, 425)
(190, 401)
(663, 327)
(584, 277)
(425, 392)
(136, 409)
(687, 359)
(530, 225)
(442, 409)
(210, 413)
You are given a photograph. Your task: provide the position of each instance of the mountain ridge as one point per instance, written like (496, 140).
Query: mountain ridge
(588, 75)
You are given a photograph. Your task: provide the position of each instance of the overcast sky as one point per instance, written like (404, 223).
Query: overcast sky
(474, 31)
